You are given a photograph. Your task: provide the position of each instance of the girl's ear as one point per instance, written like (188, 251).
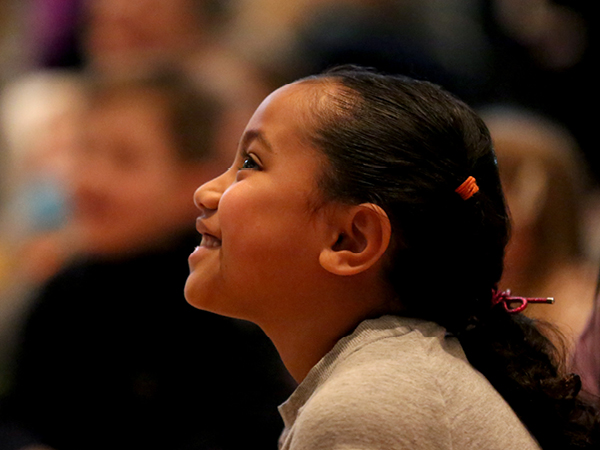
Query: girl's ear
(361, 237)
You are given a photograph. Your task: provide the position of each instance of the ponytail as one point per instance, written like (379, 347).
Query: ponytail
(527, 369)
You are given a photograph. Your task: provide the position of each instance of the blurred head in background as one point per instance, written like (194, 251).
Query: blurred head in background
(144, 145)
(120, 37)
(38, 123)
(547, 190)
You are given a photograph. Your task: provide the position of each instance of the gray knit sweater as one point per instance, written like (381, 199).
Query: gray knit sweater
(399, 383)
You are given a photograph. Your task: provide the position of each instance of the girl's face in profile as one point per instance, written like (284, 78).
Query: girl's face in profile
(261, 233)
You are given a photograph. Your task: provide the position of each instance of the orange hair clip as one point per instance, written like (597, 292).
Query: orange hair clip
(467, 188)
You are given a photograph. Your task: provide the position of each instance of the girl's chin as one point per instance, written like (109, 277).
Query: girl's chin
(200, 253)
(192, 296)
(196, 295)
(199, 294)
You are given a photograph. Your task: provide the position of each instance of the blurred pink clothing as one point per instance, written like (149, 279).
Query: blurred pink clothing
(587, 354)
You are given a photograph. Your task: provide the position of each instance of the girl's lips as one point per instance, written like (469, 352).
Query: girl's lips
(208, 240)
(208, 245)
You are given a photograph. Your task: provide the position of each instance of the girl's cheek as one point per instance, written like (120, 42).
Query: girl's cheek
(231, 209)
(224, 202)
(235, 197)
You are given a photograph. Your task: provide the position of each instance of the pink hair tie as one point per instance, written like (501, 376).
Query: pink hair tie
(506, 299)
(468, 188)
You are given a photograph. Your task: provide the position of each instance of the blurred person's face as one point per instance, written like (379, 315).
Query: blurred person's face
(130, 189)
(134, 34)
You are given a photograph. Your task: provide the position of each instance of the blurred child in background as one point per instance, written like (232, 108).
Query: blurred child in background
(37, 125)
(548, 193)
(112, 356)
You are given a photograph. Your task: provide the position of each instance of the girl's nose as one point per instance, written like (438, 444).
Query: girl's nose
(207, 196)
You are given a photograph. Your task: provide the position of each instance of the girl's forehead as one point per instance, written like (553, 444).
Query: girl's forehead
(298, 105)
(301, 96)
(286, 122)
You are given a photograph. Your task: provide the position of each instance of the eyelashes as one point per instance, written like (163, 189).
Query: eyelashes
(249, 162)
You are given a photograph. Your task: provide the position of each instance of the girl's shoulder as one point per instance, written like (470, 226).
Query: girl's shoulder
(408, 387)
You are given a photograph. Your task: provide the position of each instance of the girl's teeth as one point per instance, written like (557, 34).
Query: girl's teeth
(210, 241)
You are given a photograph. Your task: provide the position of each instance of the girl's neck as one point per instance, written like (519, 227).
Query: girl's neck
(302, 349)
(303, 341)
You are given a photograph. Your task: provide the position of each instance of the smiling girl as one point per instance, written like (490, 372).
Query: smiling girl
(362, 226)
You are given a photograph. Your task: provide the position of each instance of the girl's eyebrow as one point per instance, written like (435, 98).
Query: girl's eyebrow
(255, 135)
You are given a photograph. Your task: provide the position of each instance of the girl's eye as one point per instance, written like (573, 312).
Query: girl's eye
(249, 163)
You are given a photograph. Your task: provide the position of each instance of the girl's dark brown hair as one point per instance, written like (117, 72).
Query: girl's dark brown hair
(406, 145)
